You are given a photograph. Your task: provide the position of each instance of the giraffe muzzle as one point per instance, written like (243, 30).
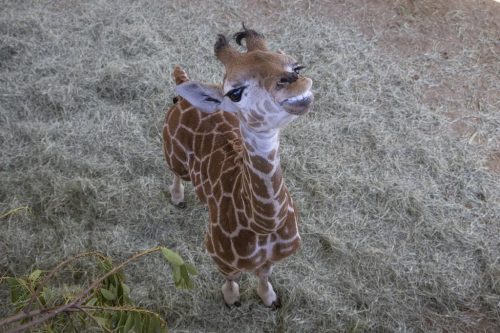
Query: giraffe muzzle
(298, 105)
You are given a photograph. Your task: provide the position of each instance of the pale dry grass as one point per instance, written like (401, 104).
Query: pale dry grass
(400, 221)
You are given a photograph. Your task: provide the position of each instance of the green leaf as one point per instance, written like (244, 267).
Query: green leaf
(176, 272)
(146, 323)
(191, 269)
(106, 264)
(121, 321)
(15, 289)
(185, 277)
(137, 318)
(123, 292)
(91, 302)
(110, 296)
(172, 257)
(46, 296)
(119, 294)
(101, 321)
(115, 300)
(129, 323)
(35, 275)
(163, 326)
(18, 290)
(121, 276)
(113, 280)
(115, 319)
(155, 325)
(126, 289)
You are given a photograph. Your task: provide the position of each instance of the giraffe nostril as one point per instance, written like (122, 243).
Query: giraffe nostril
(288, 78)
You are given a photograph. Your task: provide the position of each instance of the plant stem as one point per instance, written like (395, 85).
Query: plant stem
(75, 304)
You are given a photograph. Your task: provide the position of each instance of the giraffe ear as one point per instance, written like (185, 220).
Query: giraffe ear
(205, 97)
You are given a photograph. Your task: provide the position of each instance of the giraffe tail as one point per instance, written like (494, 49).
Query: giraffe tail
(179, 75)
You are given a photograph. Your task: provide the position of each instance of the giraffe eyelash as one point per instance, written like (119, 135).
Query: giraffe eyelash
(298, 68)
(236, 93)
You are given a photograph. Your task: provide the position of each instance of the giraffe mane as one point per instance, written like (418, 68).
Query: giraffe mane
(237, 146)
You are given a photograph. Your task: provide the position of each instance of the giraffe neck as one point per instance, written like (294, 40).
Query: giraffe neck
(264, 195)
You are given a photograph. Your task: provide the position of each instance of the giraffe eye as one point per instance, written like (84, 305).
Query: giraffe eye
(235, 94)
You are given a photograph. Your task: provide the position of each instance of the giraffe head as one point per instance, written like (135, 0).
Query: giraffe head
(263, 88)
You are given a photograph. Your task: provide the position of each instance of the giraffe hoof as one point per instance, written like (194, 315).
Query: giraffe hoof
(181, 204)
(236, 304)
(276, 305)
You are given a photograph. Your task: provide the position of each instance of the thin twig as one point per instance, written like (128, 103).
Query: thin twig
(42, 319)
(22, 315)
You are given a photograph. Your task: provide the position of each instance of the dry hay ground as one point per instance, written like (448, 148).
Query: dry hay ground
(399, 206)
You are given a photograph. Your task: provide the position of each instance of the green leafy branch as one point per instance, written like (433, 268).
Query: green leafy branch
(106, 300)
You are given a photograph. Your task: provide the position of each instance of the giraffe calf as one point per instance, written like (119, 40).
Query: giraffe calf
(225, 140)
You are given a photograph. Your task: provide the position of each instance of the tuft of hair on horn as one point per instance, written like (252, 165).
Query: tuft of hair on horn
(224, 51)
(221, 43)
(246, 34)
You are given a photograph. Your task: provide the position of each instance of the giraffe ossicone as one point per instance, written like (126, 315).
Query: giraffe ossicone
(225, 140)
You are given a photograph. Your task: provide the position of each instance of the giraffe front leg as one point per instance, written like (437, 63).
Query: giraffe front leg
(231, 290)
(231, 293)
(177, 192)
(264, 288)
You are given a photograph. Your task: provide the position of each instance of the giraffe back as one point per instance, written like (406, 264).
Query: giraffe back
(198, 145)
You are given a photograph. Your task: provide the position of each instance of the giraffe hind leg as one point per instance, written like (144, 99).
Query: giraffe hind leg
(177, 192)
(230, 288)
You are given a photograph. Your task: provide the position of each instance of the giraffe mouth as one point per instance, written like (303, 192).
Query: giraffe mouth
(298, 105)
